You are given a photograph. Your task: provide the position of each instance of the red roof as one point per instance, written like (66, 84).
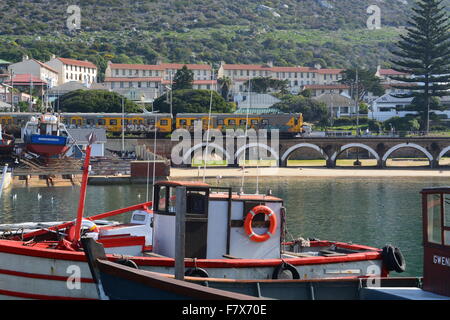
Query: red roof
(330, 71)
(25, 79)
(80, 63)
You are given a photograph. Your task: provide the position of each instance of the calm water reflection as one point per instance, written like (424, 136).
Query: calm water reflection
(374, 211)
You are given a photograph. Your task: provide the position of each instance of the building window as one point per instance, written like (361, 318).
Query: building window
(121, 84)
(123, 72)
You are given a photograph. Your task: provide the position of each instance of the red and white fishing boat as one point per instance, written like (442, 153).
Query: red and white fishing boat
(227, 235)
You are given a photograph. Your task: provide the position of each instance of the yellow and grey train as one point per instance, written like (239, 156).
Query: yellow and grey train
(146, 124)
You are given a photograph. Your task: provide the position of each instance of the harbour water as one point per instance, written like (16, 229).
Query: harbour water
(370, 211)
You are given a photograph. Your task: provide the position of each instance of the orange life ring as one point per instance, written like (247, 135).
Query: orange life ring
(249, 219)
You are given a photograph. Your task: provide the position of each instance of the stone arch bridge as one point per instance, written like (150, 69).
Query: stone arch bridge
(381, 148)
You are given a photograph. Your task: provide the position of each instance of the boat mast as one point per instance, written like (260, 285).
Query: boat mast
(91, 140)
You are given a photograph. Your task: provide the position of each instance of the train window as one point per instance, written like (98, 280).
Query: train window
(183, 122)
(163, 122)
(254, 122)
(113, 122)
(124, 121)
(101, 122)
(141, 122)
(265, 121)
(151, 121)
(231, 122)
(243, 122)
(220, 122)
(135, 121)
(90, 122)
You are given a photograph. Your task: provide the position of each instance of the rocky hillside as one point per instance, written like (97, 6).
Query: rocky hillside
(288, 32)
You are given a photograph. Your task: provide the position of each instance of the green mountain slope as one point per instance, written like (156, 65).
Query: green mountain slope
(302, 32)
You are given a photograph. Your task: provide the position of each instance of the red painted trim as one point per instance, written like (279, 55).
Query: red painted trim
(17, 247)
(41, 276)
(37, 296)
(122, 242)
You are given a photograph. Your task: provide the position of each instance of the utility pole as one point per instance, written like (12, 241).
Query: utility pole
(123, 127)
(357, 103)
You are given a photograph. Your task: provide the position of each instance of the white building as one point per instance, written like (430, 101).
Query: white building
(297, 77)
(387, 106)
(74, 70)
(37, 69)
(141, 82)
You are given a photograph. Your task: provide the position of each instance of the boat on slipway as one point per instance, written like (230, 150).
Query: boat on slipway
(227, 235)
(46, 136)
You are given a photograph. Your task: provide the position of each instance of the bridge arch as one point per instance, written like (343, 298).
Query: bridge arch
(442, 153)
(258, 145)
(303, 145)
(211, 146)
(355, 145)
(408, 145)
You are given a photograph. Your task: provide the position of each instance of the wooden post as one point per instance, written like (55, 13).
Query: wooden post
(180, 229)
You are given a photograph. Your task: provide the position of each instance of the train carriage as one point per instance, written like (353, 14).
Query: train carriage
(144, 124)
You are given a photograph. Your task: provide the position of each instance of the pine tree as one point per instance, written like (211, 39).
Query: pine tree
(183, 79)
(424, 54)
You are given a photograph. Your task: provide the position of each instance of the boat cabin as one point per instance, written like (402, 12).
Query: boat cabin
(436, 240)
(219, 223)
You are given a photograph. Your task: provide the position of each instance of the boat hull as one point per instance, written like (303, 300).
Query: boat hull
(46, 145)
(37, 272)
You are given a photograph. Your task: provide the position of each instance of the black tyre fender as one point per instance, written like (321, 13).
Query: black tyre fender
(280, 272)
(393, 259)
(196, 272)
(127, 263)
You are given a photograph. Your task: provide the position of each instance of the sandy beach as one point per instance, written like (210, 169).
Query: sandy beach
(308, 172)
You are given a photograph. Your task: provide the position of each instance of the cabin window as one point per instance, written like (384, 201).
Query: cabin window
(196, 202)
(447, 219)
(434, 222)
(162, 199)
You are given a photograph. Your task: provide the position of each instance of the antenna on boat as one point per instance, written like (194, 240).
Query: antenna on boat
(246, 131)
(207, 132)
(154, 164)
(91, 139)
